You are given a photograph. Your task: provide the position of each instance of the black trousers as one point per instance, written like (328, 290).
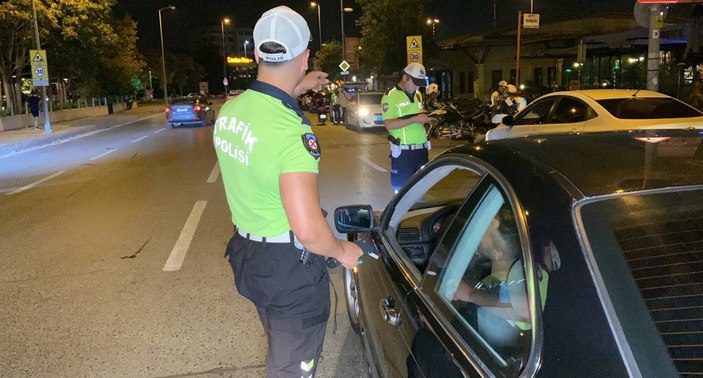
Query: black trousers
(292, 299)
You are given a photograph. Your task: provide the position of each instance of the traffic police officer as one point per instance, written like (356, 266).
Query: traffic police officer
(269, 157)
(404, 119)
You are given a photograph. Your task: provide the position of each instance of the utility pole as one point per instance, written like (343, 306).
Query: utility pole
(45, 101)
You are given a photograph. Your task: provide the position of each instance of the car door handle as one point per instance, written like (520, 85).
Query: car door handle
(388, 311)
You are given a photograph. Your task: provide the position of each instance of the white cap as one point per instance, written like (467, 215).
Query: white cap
(417, 72)
(284, 26)
(503, 83)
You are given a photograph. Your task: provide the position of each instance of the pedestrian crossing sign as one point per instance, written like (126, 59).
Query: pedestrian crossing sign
(40, 68)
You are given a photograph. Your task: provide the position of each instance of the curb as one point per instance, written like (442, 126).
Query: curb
(44, 139)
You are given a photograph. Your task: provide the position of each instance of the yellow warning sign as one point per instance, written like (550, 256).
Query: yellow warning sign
(39, 56)
(414, 48)
(40, 68)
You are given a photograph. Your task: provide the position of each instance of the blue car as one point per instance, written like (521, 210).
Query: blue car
(189, 111)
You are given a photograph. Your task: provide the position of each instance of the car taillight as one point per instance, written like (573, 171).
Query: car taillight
(196, 108)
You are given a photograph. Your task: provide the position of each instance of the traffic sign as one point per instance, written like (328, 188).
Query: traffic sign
(40, 68)
(413, 44)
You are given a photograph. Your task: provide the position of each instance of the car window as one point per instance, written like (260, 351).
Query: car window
(423, 211)
(569, 110)
(648, 108)
(536, 114)
(479, 283)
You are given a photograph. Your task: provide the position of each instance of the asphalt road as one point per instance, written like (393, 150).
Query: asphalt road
(112, 255)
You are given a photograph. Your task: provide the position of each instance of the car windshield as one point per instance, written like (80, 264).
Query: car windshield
(648, 108)
(648, 246)
(183, 101)
(370, 99)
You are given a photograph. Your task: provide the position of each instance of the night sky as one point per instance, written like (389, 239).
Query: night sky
(456, 16)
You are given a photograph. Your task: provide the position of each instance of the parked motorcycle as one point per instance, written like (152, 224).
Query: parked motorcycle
(449, 122)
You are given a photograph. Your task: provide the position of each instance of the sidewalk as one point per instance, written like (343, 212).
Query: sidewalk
(22, 139)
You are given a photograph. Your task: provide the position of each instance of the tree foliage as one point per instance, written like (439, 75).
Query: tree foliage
(329, 57)
(384, 25)
(86, 47)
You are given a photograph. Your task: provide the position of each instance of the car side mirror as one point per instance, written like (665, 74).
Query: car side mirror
(509, 121)
(353, 218)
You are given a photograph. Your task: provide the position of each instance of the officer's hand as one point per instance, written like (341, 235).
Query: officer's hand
(422, 118)
(351, 255)
(313, 80)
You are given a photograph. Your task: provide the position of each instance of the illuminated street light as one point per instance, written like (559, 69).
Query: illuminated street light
(163, 60)
(245, 47)
(224, 53)
(319, 23)
(432, 22)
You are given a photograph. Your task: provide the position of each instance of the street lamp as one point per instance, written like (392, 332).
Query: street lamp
(319, 23)
(432, 22)
(342, 9)
(245, 47)
(163, 59)
(224, 54)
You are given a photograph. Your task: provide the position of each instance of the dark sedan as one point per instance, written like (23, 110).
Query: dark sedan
(192, 110)
(559, 255)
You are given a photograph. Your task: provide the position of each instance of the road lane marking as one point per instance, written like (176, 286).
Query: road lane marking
(79, 136)
(159, 130)
(30, 186)
(175, 259)
(213, 175)
(103, 154)
(140, 138)
(372, 164)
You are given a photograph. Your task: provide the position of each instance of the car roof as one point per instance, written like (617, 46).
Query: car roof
(604, 94)
(603, 162)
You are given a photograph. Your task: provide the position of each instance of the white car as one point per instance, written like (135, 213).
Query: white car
(364, 111)
(593, 110)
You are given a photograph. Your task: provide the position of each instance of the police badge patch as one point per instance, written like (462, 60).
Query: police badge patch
(385, 107)
(311, 144)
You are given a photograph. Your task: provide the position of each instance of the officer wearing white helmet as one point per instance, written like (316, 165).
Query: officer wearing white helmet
(269, 157)
(498, 93)
(514, 100)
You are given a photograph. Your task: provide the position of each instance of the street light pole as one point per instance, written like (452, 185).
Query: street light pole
(245, 47)
(319, 22)
(45, 101)
(344, 43)
(224, 54)
(163, 59)
(432, 22)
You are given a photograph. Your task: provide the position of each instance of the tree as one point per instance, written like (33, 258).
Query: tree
(15, 41)
(384, 26)
(85, 45)
(329, 57)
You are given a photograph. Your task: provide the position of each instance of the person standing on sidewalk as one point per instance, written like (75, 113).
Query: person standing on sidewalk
(269, 160)
(404, 118)
(33, 103)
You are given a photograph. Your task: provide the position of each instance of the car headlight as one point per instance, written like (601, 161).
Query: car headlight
(363, 112)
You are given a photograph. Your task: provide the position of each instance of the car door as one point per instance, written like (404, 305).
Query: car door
(387, 287)
(476, 287)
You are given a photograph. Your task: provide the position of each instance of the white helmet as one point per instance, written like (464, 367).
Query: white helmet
(502, 83)
(432, 88)
(512, 89)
